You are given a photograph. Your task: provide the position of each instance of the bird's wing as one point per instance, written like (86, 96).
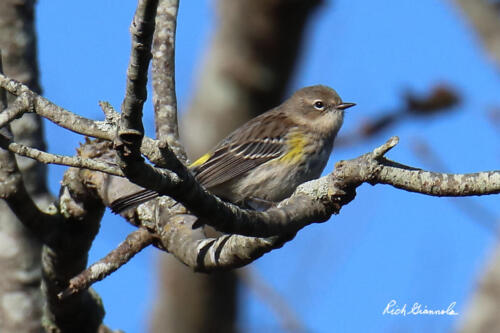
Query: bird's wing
(258, 141)
(230, 161)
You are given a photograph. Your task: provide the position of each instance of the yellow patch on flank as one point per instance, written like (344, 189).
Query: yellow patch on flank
(201, 160)
(296, 144)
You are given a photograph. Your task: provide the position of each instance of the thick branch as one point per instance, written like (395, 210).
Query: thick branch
(65, 255)
(67, 237)
(312, 202)
(211, 254)
(245, 72)
(172, 224)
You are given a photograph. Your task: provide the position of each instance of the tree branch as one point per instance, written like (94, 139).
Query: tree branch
(133, 244)
(163, 72)
(48, 158)
(438, 184)
(130, 130)
(65, 254)
(312, 201)
(105, 130)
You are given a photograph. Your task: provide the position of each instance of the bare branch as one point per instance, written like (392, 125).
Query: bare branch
(163, 72)
(130, 129)
(15, 110)
(476, 211)
(65, 254)
(438, 184)
(60, 257)
(48, 158)
(313, 201)
(105, 130)
(112, 116)
(214, 254)
(252, 55)
(54, 113)
(133, 244)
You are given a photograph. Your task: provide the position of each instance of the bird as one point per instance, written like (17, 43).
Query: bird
(264, 160)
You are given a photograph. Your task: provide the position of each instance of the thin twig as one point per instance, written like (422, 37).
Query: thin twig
(97, 129)
(133, 244)
(48, 158)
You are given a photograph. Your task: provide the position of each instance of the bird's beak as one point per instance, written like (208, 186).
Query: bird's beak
(344, 106)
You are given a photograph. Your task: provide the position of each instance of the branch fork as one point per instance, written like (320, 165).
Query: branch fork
(249, 234)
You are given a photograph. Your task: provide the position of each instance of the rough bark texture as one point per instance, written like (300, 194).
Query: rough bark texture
(20, 298)
(244, 73)
(163, 73)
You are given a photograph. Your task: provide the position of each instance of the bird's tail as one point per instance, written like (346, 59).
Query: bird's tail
(132, 200)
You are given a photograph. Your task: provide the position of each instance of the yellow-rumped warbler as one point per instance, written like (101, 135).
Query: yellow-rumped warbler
(270, 155)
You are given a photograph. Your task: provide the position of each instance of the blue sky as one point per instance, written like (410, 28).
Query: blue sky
(387, 244)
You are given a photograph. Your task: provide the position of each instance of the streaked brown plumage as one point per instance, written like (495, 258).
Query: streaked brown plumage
(270, 155)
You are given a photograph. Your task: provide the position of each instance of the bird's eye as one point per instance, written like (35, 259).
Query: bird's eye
(319, 105)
